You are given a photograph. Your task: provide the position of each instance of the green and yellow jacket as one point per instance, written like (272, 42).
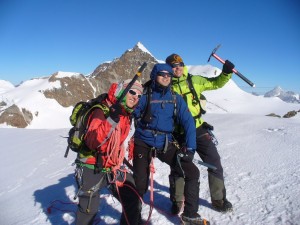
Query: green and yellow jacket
(180, 86)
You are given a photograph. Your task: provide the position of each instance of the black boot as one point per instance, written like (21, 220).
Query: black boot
(222, 205)
(176, 207)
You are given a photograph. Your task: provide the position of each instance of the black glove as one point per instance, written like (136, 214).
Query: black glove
(207, 126)
(186, 154)
(227, 67)
(114, 112)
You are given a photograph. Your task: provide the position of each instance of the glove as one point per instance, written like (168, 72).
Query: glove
(207, 126)
(186, 154)
(227, 67)
(114, 112)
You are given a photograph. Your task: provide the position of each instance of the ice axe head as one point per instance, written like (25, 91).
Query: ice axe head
(213, 52)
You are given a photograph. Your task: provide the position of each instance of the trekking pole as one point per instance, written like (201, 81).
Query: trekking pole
(136, 76)
(213, 53)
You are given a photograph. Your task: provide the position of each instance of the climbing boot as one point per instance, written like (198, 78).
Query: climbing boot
(176, 207)
(193, 221)
(222, 205)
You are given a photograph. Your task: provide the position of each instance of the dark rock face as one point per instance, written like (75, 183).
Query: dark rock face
(290, 114)
(273, 115)
(72, 90)
(80, 88)
(15, 117)
(3, 103)
(124, 68)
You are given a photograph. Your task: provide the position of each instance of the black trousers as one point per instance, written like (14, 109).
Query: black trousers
(209, 154)
(87, 179)
(142, 156)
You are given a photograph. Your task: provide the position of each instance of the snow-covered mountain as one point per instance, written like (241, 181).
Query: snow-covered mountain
(5, 86)
(287, 96)
(35, 102)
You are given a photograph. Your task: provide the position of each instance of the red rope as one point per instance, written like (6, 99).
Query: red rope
(115, 151)
(115, 155)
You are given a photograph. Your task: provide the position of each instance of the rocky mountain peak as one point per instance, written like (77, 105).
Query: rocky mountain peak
(287, 96)
(274, 92)
(124, 67)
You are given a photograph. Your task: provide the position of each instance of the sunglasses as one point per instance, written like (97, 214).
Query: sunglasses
(132, 92)
(175, 65)
(163, 74)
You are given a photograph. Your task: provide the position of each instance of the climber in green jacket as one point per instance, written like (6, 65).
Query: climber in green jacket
(191, 88)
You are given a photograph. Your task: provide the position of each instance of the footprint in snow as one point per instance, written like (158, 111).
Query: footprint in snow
(274, 130)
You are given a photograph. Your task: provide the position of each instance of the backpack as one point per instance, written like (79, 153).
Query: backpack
(79, 121)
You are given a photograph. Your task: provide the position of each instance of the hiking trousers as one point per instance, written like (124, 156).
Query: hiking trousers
(142, 156)
(209, 154)
(89, 202)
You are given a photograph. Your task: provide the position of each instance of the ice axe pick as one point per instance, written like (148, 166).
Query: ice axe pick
(213, 53)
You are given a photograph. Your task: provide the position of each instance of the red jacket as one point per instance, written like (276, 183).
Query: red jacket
(99, 129)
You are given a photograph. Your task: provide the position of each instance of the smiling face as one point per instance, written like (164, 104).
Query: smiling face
(177, 69)
(163, 78)
(132, 97)
(177, 64)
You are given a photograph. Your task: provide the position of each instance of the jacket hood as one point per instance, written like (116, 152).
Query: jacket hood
(160, 67)
(157, 68)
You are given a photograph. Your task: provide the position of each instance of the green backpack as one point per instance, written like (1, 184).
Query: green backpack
(79, 121)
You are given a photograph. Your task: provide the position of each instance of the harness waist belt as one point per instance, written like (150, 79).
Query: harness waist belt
(155, 132)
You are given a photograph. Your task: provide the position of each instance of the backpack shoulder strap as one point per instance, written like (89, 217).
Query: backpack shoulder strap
(146, 116)
(191, 87)
(96, 103)
(175, 103)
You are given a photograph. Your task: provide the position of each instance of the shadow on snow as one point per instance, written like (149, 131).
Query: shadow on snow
(56, 203)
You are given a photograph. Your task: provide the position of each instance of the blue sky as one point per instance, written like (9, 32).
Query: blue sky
(261, 37)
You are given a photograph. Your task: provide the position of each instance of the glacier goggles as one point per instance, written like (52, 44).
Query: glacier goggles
(163, 74)
(175, 65)
(132, 92)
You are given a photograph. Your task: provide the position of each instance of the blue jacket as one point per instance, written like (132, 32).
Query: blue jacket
(163, 122)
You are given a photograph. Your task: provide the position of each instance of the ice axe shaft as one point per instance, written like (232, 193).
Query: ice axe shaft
(136, 76)
(234, 70)
(128, 87)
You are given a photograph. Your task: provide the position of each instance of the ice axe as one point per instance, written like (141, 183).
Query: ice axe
(213, 53)
(136, 76)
